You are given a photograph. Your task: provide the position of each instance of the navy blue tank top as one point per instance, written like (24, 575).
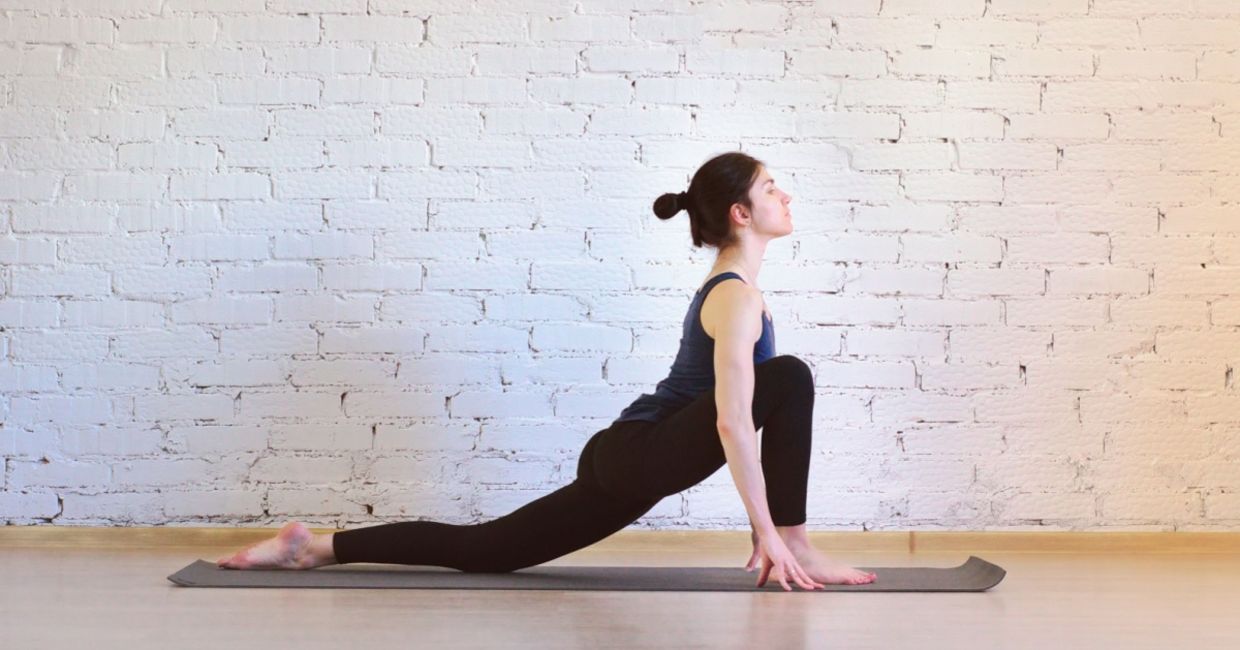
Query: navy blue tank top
(693, 371)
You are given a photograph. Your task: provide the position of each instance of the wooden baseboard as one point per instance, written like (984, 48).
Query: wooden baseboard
(654, 540)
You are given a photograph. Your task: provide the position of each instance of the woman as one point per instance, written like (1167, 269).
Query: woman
(724, 384)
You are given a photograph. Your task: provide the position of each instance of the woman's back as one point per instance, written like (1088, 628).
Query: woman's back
(693, 371)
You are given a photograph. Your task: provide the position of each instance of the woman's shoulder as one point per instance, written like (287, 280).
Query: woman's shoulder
(729, 298)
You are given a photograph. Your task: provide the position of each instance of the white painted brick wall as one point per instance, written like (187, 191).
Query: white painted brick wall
(348, 261)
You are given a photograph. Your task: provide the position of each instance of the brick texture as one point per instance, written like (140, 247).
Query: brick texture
(326, 259)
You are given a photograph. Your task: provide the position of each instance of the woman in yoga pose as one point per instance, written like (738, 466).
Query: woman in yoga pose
(724, 384)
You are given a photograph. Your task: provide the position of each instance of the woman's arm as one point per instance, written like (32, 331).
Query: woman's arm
(741, 450)
(736, 332)
(737, 329)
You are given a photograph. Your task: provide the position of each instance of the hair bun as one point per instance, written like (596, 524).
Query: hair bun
(667, 205)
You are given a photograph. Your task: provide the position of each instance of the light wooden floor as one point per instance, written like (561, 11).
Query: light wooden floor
(67, 597)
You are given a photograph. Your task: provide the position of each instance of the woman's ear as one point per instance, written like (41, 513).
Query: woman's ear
(739, 214)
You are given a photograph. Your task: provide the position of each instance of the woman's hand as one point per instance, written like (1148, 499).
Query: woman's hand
(779, 562)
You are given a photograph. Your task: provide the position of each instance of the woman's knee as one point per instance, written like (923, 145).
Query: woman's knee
(793, 371)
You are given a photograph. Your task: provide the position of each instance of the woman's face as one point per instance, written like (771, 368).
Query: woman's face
(771, 215)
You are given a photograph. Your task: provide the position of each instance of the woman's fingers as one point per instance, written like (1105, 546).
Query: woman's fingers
(795, 572)
(785, 571)
(802, 577)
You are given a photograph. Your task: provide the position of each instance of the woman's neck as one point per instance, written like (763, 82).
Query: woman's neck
(748, 272)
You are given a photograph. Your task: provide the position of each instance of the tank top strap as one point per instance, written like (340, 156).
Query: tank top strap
(710, 284)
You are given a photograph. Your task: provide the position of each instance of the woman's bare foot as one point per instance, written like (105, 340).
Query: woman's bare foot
(293, 547)
(825, 570)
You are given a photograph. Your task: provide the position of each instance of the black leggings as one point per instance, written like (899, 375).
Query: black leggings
(623, 472)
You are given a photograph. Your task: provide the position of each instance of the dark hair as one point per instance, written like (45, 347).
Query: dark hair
(716, 185)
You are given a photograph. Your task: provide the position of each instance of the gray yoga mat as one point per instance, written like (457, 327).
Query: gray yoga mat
(974, 575)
